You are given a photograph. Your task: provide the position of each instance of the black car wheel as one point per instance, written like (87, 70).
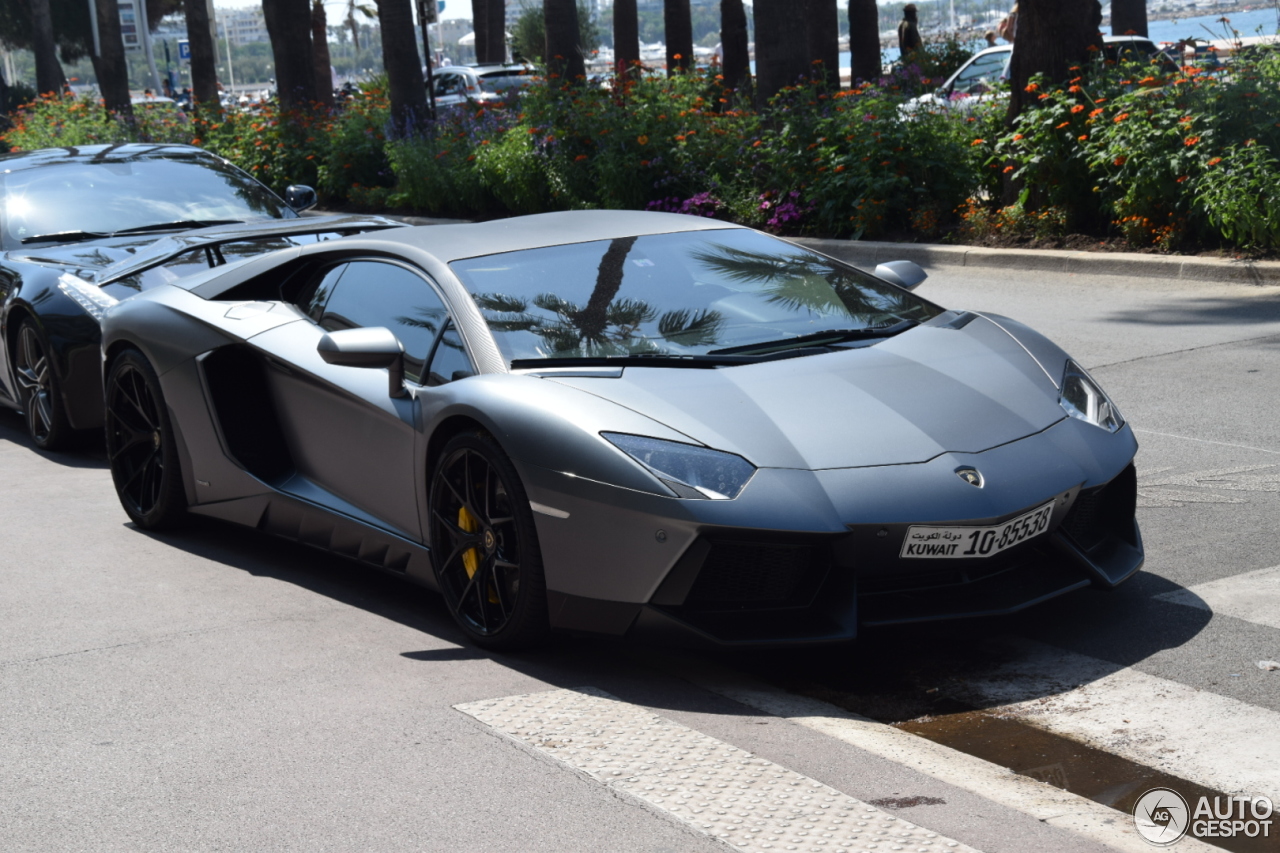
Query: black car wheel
(485, 547)
(140, 444)
(38, 390)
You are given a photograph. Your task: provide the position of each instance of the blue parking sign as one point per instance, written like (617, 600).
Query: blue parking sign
(184, 49)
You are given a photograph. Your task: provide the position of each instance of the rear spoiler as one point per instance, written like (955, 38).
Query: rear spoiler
(212, 239)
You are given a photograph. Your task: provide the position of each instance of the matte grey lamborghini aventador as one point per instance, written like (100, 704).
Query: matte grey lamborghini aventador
(625, 423)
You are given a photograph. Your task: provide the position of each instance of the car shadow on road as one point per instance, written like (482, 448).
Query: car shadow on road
(1205, 311)
(87, 449)
(889, 675)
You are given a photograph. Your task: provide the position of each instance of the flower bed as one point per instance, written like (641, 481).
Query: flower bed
(1126, 154)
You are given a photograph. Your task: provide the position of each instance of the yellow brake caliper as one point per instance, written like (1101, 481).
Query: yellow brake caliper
(470, 557)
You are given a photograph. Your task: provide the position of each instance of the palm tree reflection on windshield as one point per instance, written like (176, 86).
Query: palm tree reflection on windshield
(606, 325)
(807, 282)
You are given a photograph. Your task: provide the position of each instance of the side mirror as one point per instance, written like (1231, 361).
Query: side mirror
(905, 274)
(372, 347)
(300, 198)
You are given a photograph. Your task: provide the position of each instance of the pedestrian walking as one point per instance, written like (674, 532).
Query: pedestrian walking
(909, 31)
(1009, 26)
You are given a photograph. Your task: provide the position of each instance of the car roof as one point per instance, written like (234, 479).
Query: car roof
(122, 152)
(449, 243)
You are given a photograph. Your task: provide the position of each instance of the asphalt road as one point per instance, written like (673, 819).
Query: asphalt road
(215, 689)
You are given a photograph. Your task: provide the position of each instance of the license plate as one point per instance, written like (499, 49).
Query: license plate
(969, 543)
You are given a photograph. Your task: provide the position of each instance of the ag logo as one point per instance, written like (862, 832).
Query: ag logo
(1160, 816)
(970, 475)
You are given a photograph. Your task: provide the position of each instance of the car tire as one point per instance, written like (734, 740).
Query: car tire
(141, 448)
(484, 545)
(38, 389)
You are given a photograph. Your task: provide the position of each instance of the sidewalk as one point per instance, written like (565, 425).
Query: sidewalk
(868, 253)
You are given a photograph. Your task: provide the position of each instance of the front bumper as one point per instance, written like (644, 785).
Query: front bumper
(828, 565)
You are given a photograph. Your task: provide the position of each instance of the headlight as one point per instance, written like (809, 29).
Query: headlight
(1083, 399)
(687, 469)
(92, 299)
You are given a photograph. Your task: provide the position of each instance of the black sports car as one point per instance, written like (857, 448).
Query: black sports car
(81, 228)
(625, 423)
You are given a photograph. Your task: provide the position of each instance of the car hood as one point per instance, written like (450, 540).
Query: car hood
(112, 258)
(907, 399)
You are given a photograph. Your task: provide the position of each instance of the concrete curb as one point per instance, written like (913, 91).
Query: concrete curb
(868, 253)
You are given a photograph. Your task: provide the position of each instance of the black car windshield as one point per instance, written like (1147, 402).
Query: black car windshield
(117, 194)
(683, 294)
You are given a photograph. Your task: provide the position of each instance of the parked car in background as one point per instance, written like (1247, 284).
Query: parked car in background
(978, 80)
(459, 84)
(82, 228)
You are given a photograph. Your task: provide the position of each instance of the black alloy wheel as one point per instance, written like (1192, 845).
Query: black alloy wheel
(484, 545)
(140, 444)
(38, 390)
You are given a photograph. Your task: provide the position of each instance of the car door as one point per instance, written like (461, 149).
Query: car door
(345, 431)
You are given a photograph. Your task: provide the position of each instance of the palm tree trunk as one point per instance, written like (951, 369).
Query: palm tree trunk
(404, 67)
(497, 31)
(734, 43)
(480, 29)
(626, 35)
(1128, 17)
(1053, 35)
(109, 64)
(204, 60)
(677, 24)
(320, 53)
(564, 42)
(782, 41)
(824, 41)
(289, 26)
(49, 76)
(864, 39)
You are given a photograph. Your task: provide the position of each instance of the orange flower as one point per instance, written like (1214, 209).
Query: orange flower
(195, 142)
(1073, 89)
(977, 142)
(1095, 113)
(1181, 179)
(677, 57)
(1120, 161)
(643, 140)
(1215, 161)
(1078, 108)
(1032, 87)
(579, 158)
(1008, 169)
(1061, 126)
(1017, 136)
(757, 143)
(1121, 117)
(1191, 140)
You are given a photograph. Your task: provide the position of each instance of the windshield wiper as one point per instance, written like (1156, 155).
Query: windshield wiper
(642, 359)
(64, 237)
(831, 336)
(174, 226)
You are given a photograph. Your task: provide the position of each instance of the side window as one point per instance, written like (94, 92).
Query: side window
(449, 362)
(314, 295)
(371, 293)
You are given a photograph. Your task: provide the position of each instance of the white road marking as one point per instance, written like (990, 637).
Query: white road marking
(1053, 806)
(1215, 741)
(1252, 596)
(1157, 488)
(716, 788)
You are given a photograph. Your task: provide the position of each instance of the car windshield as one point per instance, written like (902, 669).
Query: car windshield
(682, 294)
(501, 81)
(109, 195)
(986, 67)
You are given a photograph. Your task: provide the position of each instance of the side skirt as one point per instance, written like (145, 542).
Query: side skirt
(309, 524)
